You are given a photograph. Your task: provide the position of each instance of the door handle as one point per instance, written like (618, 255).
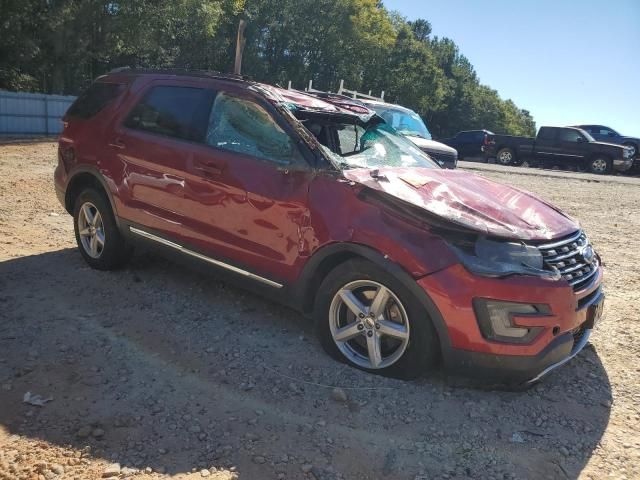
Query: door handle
(117, 143)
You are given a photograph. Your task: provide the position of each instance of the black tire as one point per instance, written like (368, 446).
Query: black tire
(115, 252)
(600, 165)
(636, 153)
(422, 351)
(505, 156)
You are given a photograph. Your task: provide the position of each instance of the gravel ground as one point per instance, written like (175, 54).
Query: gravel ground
(159, 371)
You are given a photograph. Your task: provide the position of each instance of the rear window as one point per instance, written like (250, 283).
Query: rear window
(94, 99)
(180, 112)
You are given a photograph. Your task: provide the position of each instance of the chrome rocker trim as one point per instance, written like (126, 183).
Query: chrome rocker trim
(199, 256)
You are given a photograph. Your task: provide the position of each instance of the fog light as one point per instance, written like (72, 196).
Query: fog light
(495, 319)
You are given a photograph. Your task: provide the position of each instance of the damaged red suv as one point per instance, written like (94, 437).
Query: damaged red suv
(315, 201)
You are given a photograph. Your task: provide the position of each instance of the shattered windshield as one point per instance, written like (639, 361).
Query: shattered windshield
(373, 146)
(405, 122)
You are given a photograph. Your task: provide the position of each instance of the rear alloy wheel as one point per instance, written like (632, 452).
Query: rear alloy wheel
(505, 156)
(366, 317)
(99, 240)
(600, 165)
(91, 230)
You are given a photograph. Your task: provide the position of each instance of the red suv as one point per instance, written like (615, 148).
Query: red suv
(315, 201)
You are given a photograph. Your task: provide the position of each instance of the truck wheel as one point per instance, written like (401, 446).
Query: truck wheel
(634, 149)
(505, 156)
(600, 165)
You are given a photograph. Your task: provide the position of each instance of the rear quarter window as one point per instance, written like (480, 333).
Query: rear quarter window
(94, 99)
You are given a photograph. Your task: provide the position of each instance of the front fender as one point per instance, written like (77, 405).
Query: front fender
(329, 256)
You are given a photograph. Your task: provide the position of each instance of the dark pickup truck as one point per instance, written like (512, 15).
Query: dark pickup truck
(560, 146)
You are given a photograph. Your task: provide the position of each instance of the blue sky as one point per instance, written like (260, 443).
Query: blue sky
(567, 62)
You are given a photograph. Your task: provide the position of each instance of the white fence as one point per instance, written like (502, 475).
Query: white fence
(24, 114)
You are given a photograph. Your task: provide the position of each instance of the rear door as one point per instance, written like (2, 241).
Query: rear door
(545, 144)
(154, 144)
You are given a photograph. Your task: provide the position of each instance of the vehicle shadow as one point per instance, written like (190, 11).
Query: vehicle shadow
(157, 366)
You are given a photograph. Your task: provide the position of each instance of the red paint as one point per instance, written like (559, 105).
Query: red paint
(271, 220)
(454, 289)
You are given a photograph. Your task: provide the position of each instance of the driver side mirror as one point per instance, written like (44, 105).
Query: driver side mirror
(611, 134)
(580, 140)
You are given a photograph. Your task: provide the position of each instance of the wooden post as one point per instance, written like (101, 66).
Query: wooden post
(240, 41)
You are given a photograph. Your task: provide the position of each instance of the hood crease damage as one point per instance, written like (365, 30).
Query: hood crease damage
(469, 202)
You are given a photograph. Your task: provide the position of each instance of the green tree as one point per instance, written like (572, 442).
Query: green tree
(60, 46)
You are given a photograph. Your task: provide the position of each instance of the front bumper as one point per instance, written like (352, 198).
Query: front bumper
(466, 351)
(622, 165)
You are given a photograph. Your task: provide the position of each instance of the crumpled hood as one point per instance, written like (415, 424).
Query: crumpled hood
(432, 145)
(471, 201)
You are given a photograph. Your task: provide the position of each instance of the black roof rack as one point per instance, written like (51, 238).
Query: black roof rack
(182, 72)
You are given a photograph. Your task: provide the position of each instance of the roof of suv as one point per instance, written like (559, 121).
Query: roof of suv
(325, 103)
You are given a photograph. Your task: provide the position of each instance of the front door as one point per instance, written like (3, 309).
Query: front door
(246, 189)
(569, 147)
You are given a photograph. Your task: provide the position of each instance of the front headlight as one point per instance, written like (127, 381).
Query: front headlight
(489, 258)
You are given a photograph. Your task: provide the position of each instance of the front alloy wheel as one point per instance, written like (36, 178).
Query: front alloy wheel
(369, 324)
(371, 319)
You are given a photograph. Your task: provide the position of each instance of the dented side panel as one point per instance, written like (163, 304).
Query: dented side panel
(340, 214)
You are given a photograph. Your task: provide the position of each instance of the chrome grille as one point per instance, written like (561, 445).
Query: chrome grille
(573, 257)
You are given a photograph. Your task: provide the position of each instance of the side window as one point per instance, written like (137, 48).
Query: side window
(568, 135)
(349, 137)
(546, 134)
(94, 99)
(179, 112)
(241, 125)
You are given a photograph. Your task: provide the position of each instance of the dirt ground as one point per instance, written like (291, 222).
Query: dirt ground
(158, 371)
